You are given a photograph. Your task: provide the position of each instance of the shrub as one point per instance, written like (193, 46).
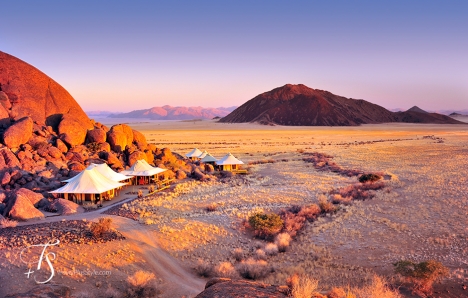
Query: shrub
(337, 293)
(211, 207)
(260, 254)
(225, 269)
(103, 226)
(253, 269)
(238, 254)
(6, 223)
(292, 222)
(141, 284)
(282, 241)
(203, 268)
(303, 287)
(266, 225)
(378, 288)
(310, 212)
(271, 249)
(369, 178)
(325, 205)
(422, 275)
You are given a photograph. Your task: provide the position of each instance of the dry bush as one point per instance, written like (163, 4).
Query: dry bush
(225, 269)
(282, 241)
(292, 222)
(337, 293)
(310, 212)
(260, 254)
(211, 207)
(271, 249)
(253, 269)
(325, 205)
(103, 226)
(6, 223)
(338, 199)
(238, 254)
(422, 275)
(203, 268)
(378, 288)
(141, 284)
(303, 286)
(361, 191)
(266, 225)
(371, 177)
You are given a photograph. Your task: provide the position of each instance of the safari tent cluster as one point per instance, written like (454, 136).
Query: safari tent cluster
(227, 163)
(99, 182)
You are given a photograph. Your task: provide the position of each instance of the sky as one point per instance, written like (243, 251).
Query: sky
(126, 55)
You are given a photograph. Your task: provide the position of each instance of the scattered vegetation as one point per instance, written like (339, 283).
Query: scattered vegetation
(422, 275)
(101, 227)
(203, 268)
(141, 284)
(266, 225)
(253, 269)
(211, 207)
(7, 223)
(369, 178)
(225, 269)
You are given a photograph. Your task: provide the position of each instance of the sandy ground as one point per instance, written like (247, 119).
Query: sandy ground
(422, 215)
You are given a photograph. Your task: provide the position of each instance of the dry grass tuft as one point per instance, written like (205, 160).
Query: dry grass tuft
(6, 223)
(101, 227)
(302, 286)
(271, 249)
(238, 254)
(203, 268)
(225, 269)
(141, 284)
(253, 269)
(282, 241)
(378, 288)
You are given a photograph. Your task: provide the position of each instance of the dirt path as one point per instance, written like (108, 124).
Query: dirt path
(177, 281)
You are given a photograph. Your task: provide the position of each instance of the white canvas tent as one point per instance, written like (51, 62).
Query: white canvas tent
(208, 158)
(204, 153)
(229, 163)
(141, 169)
(104, 169)
(89, 185)
(194, 154)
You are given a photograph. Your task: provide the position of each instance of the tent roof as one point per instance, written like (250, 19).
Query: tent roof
(208, 158)
(194, 153)
(229, 159)
(142, 168)
(108, 172)
(89, 181)
(204, 153)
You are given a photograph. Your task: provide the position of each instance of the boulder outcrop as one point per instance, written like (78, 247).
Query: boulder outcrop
(18, 133)
(21, 208)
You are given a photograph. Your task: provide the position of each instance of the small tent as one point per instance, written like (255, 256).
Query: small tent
(208, 158)
(194, 154)
(204, 153)
(143, 172)
(229, 163)
(89, 185)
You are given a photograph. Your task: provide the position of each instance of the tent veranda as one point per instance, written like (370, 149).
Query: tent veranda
(89, 185)
(143, 172)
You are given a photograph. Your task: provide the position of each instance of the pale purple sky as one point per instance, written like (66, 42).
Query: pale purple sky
(122, 55)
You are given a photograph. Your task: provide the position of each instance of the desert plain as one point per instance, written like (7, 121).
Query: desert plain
(421, 214)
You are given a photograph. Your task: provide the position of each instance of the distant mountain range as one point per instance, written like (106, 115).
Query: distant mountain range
(176, 113)
(300, 105)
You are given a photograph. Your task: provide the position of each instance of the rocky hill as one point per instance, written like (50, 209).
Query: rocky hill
(46, 137)
(176, 113)
(299, 105)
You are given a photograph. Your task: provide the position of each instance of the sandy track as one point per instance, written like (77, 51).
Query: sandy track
(178, 282)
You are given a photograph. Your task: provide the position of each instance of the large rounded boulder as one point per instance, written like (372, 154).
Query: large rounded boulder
(28, 92)
(18, 133)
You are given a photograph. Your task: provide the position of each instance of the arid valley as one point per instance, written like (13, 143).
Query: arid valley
(420, 214)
